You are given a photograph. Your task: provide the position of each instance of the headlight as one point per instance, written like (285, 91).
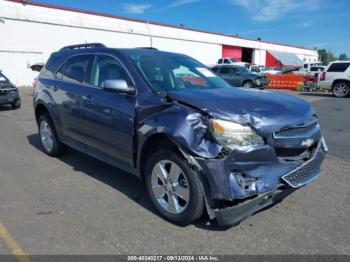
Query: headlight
(13, 92)
(233, 135)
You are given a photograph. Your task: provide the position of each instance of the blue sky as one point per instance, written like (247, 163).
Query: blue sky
(308, 23)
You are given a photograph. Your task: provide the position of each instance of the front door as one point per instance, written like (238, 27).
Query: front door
(108, 116)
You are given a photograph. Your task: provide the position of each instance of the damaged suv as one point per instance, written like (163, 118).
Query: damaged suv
(197, 143)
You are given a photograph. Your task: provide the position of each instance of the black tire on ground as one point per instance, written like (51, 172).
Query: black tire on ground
(16, 104)
(58, 148)
(195, 205)
(341, 89)
(248, 84)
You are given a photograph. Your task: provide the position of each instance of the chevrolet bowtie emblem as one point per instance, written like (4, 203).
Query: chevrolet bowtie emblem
(309, 142)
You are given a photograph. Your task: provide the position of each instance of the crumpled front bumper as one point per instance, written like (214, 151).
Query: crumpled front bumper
(273, 179)
(230, 216)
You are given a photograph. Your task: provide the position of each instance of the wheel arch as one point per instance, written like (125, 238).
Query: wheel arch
(150, 145)
(341, 81)
(40, 109)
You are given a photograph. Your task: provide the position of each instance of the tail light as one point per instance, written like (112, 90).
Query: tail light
(323, 76)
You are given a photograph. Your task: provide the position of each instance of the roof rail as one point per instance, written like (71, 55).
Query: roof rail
(151, 48)
(82, 46)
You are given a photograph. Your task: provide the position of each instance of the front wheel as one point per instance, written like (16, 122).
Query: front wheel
(173, 187)
(248, 84)
(341, 89)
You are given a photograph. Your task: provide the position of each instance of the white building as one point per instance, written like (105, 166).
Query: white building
(31, 31)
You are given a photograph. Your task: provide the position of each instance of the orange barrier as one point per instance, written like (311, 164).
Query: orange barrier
(286, 81)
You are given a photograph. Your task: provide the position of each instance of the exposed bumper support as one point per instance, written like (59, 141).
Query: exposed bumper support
(233, 215)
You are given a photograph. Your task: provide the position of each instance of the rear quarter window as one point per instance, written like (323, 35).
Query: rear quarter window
(338, 67)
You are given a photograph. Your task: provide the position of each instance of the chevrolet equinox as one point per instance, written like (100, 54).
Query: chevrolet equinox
(199, 145)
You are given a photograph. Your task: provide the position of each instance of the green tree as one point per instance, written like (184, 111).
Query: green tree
(326, 56)
(343, 56)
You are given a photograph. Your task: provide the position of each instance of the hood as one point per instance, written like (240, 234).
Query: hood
(265, 111)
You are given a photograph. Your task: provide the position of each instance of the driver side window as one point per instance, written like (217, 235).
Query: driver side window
(107, 68)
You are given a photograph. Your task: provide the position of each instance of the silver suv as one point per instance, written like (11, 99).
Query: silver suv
(336, 77)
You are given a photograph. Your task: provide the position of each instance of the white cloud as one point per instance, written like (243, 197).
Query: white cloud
(306, 24)
(179, 3)
(271, 10)
(136, 8)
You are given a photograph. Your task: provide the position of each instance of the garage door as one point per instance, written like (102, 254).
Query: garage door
(232, 51)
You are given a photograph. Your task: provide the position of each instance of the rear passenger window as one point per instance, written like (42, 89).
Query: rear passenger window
(75, 69)
(338, 67)
(226, 61)
(107, 68)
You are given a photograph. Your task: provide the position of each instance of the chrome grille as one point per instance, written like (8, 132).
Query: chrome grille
(298, 131)
(307, 172)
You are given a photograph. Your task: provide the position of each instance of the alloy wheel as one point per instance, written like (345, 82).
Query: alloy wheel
(46, 136)
(341, 90)
(170, 187)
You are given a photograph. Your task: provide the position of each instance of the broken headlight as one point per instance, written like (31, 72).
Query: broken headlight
(233, 135)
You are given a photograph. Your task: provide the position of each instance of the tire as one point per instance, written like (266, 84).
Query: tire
(187, 193)
(248, 84)
(341, 89)
(48, 136)
(16, 104)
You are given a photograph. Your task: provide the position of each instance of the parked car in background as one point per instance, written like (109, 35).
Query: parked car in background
(336, 77)
(259, 69)
(307, 66)
(241, 76)
(9, 94)
(232, 61)
(198, 144)
(315, 70)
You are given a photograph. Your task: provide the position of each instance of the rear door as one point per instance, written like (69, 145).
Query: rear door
(108, 116)
(67, 91)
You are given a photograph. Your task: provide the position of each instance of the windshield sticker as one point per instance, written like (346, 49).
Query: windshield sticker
(205, 72)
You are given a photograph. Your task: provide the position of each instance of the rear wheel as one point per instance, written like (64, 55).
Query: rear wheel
(173, 187)
(341, 89)
(48, 136)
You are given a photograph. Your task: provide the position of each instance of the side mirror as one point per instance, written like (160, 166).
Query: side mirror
(117, 85)
(37, 67)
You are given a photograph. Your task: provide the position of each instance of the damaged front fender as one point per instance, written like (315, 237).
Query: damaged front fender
(186, 127)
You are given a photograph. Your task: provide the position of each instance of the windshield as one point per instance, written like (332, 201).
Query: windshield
(175, 72)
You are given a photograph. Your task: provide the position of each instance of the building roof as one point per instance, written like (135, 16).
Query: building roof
(63, 8)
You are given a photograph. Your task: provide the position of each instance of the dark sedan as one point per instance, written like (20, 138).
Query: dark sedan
(241, 76)
(9, 94)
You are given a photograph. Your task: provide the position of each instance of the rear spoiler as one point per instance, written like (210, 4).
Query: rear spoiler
(37, 67)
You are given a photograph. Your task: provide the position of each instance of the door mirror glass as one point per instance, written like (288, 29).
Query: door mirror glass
(118, 85)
